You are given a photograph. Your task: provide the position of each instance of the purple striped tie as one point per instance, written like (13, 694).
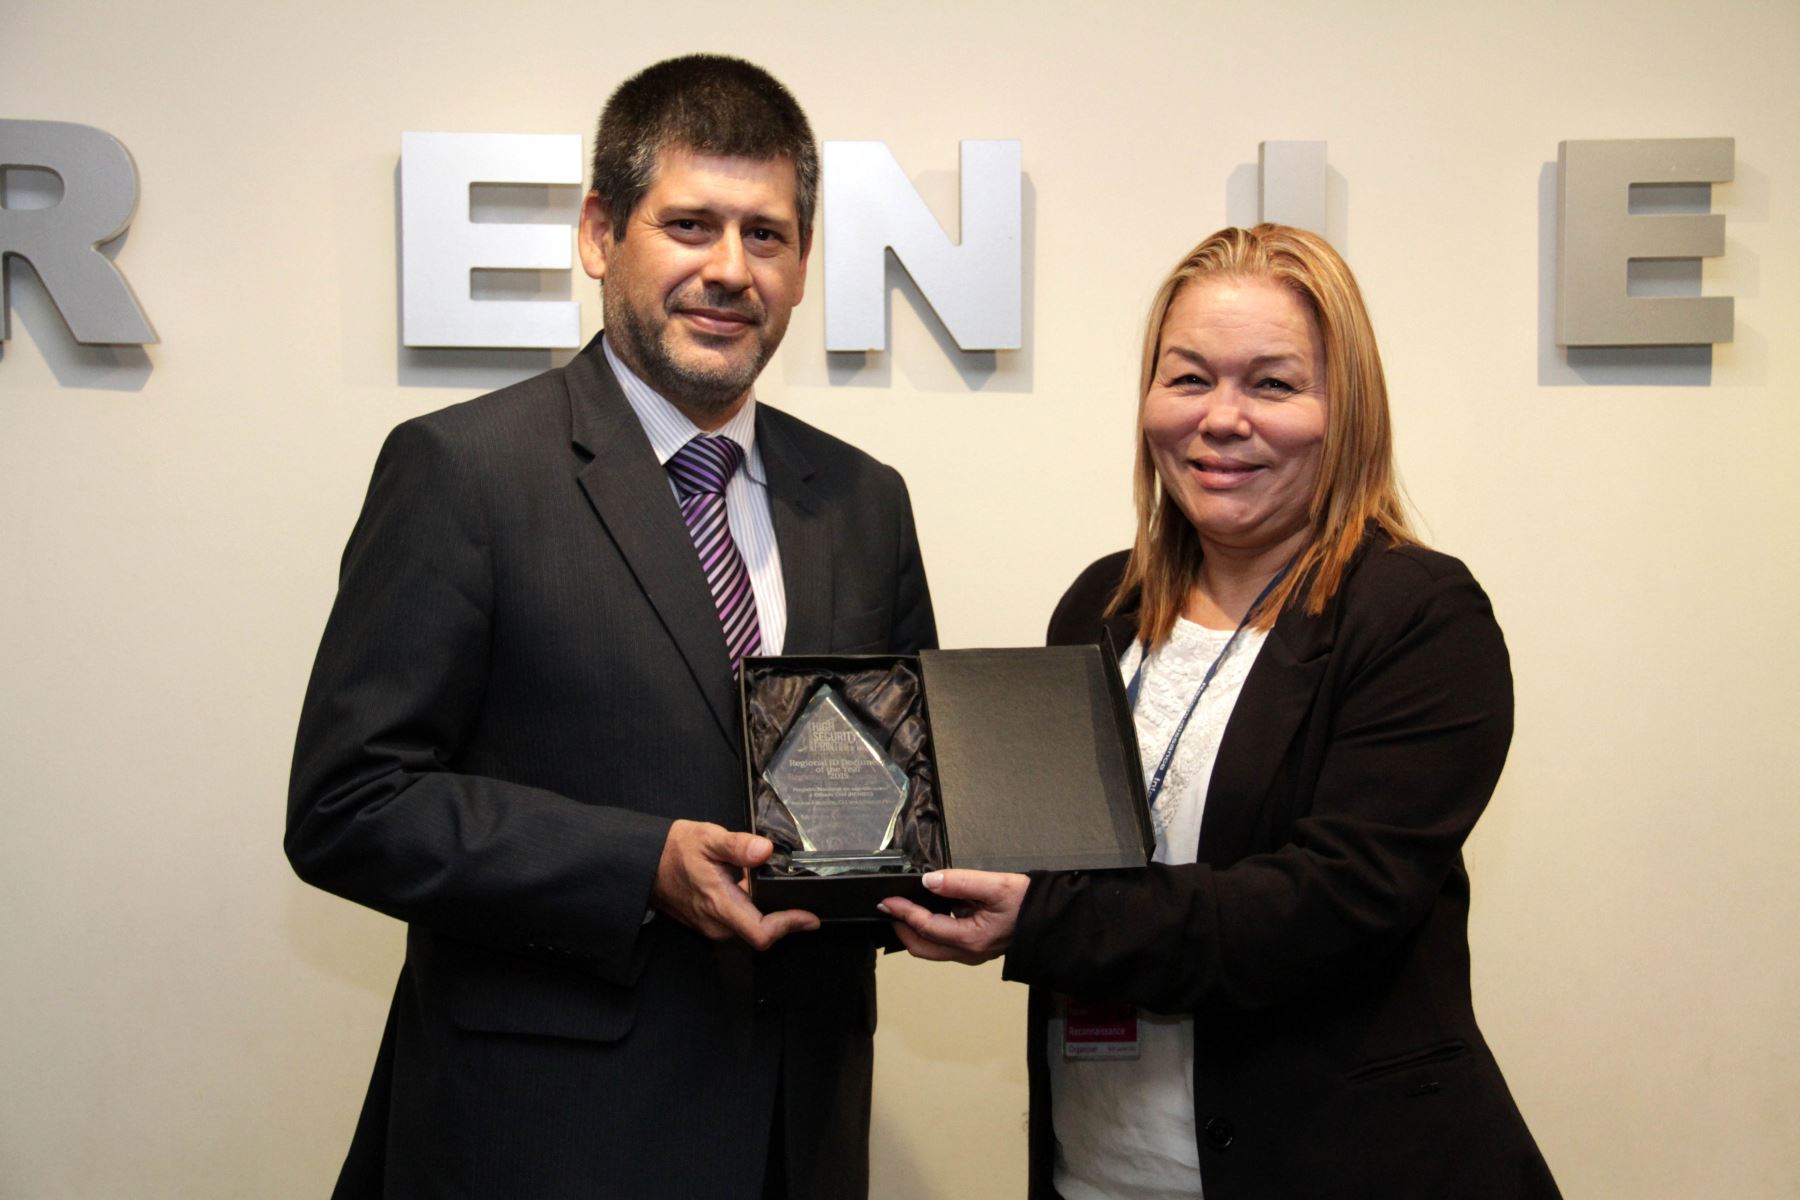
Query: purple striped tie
(700, 470)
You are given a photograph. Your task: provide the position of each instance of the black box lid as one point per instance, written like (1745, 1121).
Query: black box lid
(1036, 758)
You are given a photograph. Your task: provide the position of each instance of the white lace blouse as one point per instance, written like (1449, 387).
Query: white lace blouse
(1126, 1127)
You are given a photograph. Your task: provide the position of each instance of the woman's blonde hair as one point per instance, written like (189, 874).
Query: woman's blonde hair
(1355, 487)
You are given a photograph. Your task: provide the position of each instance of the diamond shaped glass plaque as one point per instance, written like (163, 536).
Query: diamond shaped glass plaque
(840, 786)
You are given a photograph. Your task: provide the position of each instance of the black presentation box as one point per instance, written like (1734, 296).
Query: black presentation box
(1016, 760)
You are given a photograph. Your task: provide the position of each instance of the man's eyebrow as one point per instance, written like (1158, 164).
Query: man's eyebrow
(679, 212)
(675, 212)
(771, 221)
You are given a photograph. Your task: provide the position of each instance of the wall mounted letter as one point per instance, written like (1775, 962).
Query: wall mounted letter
(1292, 184)
(976, 285)
(1597, 236)
(441, 246)
(100, 191)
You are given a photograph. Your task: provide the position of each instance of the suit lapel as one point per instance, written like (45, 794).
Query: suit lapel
(803, 533)
(1275, 698)
(630, 494)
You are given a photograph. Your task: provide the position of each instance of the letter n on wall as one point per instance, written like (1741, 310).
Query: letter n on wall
(975, 285)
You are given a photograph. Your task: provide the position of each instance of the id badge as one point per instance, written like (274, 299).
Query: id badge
(1098, 1031)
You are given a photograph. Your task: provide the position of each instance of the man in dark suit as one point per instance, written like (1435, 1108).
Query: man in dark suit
(521, 733)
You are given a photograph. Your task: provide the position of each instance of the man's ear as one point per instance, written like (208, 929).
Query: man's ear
(594, 236)
(806, 245)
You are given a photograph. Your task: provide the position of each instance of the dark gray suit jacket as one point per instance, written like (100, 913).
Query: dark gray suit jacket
(522, 684)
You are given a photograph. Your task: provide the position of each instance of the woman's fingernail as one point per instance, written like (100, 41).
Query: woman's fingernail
(934, 881)
(883, 909)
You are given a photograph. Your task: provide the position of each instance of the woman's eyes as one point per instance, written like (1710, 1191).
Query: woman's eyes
(1268, 386)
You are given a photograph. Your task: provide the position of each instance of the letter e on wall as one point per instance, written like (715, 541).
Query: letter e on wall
(440, 246)
(1598, 236)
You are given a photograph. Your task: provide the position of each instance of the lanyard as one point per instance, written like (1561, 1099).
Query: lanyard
(1137, 678)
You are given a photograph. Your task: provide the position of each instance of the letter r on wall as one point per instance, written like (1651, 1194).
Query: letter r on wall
(61, 242)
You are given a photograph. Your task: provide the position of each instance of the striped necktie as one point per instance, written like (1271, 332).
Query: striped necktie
(700, 470)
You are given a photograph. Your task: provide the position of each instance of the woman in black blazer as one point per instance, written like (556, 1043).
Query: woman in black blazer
(1278, 1006)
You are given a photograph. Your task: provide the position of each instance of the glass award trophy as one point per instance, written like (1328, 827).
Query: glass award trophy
(841, 788)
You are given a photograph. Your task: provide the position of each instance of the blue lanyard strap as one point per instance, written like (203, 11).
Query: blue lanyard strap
(1137, 680)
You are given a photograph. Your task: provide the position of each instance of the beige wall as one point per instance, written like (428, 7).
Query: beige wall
(179, 1017)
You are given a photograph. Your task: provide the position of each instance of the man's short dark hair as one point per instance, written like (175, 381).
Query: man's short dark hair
(703, 104)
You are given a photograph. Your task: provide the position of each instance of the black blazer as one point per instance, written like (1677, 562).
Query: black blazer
(1320, 939)
(522, 684)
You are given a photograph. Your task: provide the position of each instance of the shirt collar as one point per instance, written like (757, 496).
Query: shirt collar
(669, 428)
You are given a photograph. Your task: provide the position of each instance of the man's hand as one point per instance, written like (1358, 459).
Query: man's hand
(700, 882)
(982, 927)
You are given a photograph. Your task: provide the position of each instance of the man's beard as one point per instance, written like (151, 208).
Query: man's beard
(709, 390)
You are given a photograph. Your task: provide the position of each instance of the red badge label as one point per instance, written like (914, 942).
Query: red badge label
(1093, 1030)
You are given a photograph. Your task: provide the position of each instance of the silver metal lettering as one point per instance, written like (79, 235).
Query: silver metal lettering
(61, 241)
(1598, 237)
(441, 247)
(1293, 184)
(975, 285)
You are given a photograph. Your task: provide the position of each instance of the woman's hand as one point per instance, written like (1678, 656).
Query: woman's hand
(982, 927)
